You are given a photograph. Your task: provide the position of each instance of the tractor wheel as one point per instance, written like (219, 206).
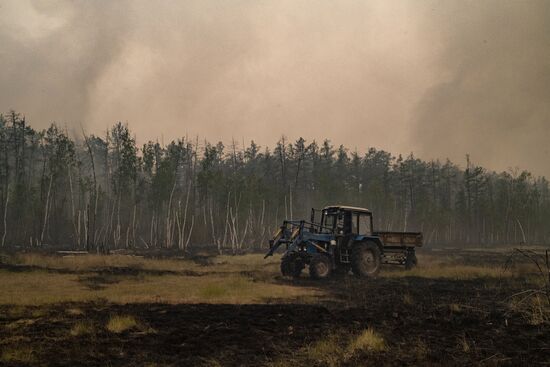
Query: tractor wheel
(365, 259)
(292, 266)
(410, 260)
(320, 266)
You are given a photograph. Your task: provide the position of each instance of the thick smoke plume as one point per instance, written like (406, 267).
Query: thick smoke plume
(441, 79)
(494, 99)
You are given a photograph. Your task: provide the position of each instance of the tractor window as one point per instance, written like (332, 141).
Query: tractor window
(329, 220)
(365, 224)
(354, 223)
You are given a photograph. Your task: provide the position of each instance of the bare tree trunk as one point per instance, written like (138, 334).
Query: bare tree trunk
(86, 222)
(185, 216)
(76, 231)
(6, 215)
(168, 241)
(290, 203)
(46, 210)
(190, 232)
(96, 196)
(134, 227)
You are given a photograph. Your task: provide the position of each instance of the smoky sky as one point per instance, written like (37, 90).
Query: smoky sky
(438, 78)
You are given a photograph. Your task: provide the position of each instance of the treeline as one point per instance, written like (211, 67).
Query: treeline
(105, 192)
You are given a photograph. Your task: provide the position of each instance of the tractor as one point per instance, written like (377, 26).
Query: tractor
(341, 239)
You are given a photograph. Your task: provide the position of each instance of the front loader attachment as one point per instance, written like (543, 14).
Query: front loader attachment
(284, 235)
(275, 242)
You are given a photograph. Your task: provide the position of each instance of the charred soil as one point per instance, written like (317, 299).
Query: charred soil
(421, 320)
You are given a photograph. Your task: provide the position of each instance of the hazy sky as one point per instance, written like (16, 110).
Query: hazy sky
(438, 78)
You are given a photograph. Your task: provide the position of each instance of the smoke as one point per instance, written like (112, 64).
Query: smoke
(52, 53)
(441, 79)
(494, 99)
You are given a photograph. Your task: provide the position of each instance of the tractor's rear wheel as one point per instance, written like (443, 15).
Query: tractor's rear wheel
(320, 266)
(365, 259)
(410, 260)
(292, 265)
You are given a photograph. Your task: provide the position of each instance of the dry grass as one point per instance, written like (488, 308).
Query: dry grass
(226, 279)
(449, 271)
(118, 324)
(21, 354)
(420, 350)
(19, 324)
(453, 267)
(368, 341)
(93, 262)
(326, 351)
(222, 282)
(337, 348)
(535, 310)
(455, 308)
(82, 328)
(74, 311)
(408, 299)
(464, 345)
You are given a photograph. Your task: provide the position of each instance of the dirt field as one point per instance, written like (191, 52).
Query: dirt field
(456, 308)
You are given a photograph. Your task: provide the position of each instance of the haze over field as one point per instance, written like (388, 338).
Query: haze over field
(438, 78)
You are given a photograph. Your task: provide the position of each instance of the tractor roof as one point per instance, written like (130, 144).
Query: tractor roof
(344, 207)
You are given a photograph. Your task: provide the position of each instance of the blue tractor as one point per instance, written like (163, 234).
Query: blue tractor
(342, 239)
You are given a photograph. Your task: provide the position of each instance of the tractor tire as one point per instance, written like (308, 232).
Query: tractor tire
(292, 266)
(320, 266)
(410, 260)
(365, 259)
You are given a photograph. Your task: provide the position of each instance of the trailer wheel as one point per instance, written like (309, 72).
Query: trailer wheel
(410, 260)
(292, 265)
(320, 266)
(365, 259)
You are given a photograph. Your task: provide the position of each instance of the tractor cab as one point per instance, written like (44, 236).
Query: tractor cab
(343, 220)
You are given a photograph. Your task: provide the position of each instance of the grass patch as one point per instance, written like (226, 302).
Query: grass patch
(464, 345)
(327, 351)
(20, 324)
(456, 272)
(16, 311)
(74, 311)
(82, 328)
(455, 308)
(408, 299)
(93, 262)
(18, 355)
(535, 310)
(118, 324)
(336, 349)
(368, 341)
(213, 291)
(421, 350)
(40, 288)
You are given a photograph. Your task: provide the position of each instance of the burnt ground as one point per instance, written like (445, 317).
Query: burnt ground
(424, 321)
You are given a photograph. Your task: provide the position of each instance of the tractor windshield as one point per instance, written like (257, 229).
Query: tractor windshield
(328, 221)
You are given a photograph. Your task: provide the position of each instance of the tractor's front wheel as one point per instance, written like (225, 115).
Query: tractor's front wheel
(365, 259)
(320, 266)
(292, 265)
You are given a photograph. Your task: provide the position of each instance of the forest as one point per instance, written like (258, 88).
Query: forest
(100, 193)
